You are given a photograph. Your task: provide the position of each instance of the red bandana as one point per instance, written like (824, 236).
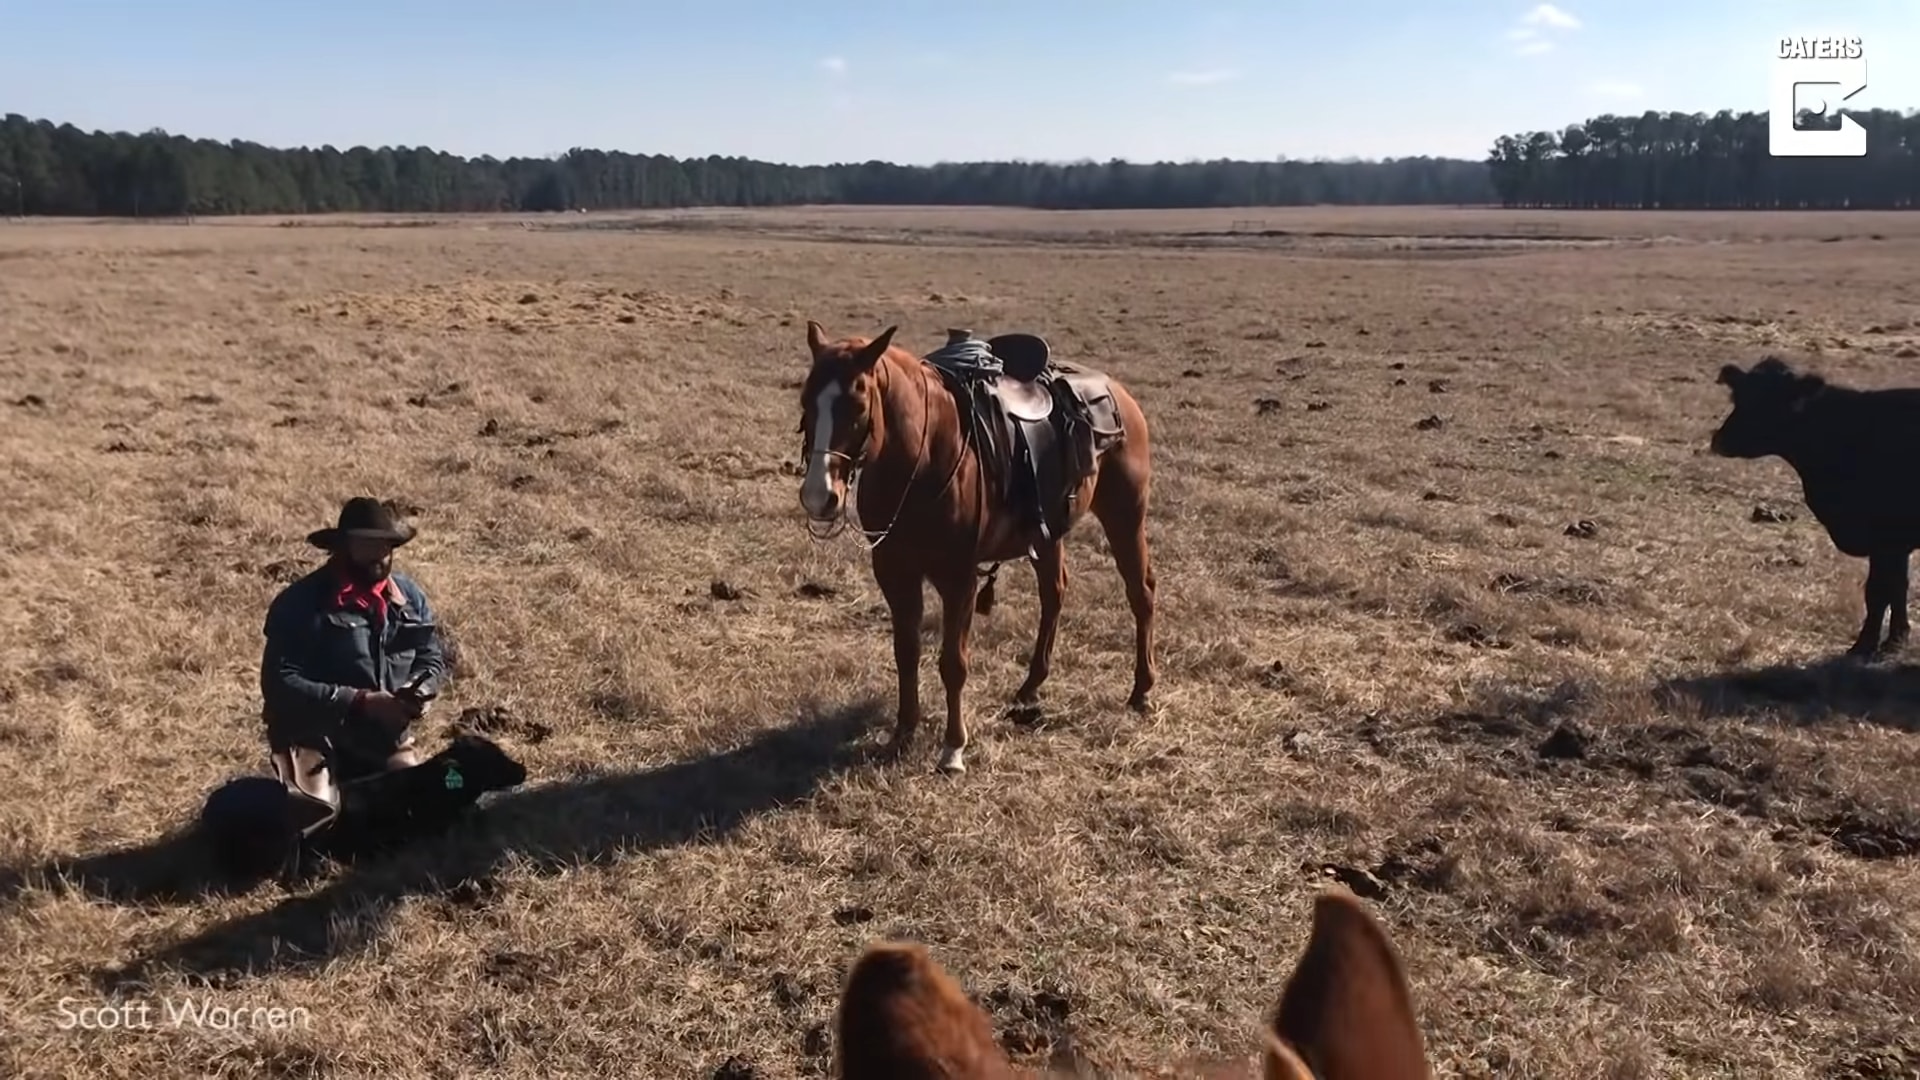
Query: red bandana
(354, 596)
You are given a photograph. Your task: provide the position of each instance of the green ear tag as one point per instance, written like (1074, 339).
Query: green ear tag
(454, 779)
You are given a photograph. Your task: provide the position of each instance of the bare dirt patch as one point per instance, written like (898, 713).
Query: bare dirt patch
(1782, 329)
(1455, 610)
(524, 307)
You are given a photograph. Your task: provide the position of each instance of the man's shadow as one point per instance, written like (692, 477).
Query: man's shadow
(545, 830)
(1887, 694)
(177, 868)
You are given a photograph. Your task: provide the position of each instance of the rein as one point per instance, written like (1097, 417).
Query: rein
(854, 465)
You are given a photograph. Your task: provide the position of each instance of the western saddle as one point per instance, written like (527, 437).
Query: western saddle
(1040, 424)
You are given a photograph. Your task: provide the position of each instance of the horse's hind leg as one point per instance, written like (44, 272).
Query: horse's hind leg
(1120, 502)
(1050, 571)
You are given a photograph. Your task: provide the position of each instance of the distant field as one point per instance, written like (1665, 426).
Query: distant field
(1455, 607)
(1243, 224)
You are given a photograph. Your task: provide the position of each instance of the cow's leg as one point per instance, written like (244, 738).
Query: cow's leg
(1883, 571)
(1896, 600)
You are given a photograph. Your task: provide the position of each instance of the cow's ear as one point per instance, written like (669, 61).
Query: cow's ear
(1730, 375)
(1805, 389)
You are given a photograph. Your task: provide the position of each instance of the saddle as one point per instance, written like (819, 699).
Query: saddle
(1041, 424)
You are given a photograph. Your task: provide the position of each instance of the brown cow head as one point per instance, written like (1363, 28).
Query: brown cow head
(1345, 1013)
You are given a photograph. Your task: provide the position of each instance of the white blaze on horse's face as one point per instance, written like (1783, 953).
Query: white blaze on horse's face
(841, 391)
(820, 492)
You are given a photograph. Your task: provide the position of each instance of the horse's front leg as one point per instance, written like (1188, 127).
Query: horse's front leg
(905, 602)
(956, 603)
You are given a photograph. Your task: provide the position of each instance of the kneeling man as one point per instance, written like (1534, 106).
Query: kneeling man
(353, 656)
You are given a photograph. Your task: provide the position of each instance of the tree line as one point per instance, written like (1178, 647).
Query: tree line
(1655, 160)
(60, 169)
(1693, 161)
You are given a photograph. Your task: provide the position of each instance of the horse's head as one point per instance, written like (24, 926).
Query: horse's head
(1345, 1013)
(837, 406)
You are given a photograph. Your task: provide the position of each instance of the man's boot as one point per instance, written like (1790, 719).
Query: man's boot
(310, 787)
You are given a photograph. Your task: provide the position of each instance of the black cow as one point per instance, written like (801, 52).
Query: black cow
(1857, 453)
(251, 829)
(381, 812)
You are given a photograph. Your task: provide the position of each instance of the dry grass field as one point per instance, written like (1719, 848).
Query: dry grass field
(1455, 608)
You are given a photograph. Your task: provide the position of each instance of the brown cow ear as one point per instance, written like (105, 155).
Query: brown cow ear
(816, 336)
(1730, 375)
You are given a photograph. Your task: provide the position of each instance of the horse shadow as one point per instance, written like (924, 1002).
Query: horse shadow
(1806, 694)
(596, 819)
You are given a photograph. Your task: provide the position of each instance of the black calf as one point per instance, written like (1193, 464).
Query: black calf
(388, 809)
(250, 831)
(1857, 453)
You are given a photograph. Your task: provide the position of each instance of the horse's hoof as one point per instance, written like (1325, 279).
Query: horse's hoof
(1139, 703)
(952, 761)
(1027, 715)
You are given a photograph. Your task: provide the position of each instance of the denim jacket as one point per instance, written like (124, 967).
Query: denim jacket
(318, 655)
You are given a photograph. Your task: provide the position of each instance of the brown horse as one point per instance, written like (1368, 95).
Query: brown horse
(1346, 1013)
(872, 408)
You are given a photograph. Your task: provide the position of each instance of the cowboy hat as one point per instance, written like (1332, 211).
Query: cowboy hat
(363, 516)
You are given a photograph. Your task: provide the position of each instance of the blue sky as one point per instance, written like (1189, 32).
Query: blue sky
(837, 80)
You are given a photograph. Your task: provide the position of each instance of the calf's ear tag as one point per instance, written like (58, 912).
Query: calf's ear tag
(454, 780)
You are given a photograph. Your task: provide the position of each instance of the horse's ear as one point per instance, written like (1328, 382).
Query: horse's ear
(1346, 1007)
(1730, 375)
(876, 348)
(816, 336)
(901, 1017)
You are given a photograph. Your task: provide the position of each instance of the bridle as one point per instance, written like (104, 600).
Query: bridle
(839, 523)
(856, 461)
